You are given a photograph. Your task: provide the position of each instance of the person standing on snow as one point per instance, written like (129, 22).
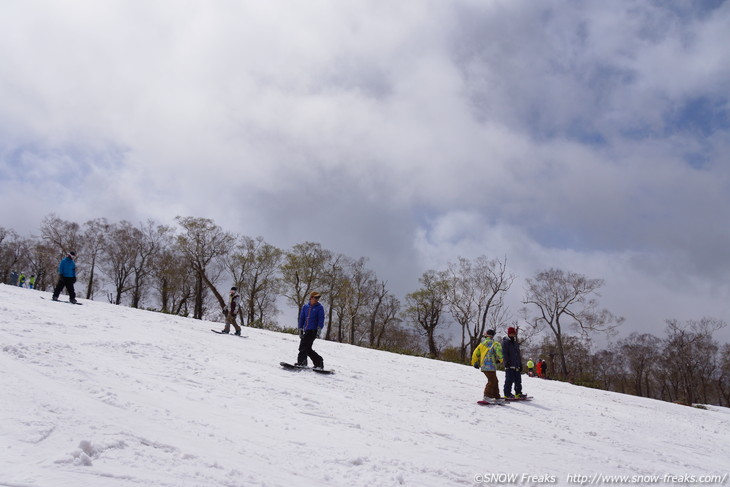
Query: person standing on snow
(512, 364)
(14, 278)
(486, 356)
(530, 368)
(21, 280)
(311, 322)
(231, 310)
(66, 277)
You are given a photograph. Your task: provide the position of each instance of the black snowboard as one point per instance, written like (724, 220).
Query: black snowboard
(232, 334)
(302, 367)
(59, 301)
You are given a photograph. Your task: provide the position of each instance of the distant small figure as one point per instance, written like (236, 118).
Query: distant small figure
(540, 363)
(21, 280)
(530, 368)
(66, 277)
(31, 282)
(231, 310)
(14, 278)
(544, 369)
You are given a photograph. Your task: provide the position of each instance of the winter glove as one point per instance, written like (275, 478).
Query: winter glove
(319, 332)
(301, 332)
(476, 366)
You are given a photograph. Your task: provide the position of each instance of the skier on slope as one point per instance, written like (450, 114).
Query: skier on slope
(486, 356)
(311, 322)
(231, 311)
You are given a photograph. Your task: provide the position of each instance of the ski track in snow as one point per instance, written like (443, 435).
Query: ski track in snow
(111, 396)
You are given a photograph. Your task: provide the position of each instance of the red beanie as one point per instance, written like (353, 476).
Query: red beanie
(511, 330)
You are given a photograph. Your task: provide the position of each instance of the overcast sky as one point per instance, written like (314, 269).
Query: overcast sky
(589, 136)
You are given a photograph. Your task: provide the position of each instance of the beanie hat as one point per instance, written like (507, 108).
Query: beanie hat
(489, 333)
(511, 331)
(234, 288)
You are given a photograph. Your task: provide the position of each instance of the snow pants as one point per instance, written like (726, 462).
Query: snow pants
(512, 376)
(68, 283)
(305, 349)
(231, 320)
(492, 387)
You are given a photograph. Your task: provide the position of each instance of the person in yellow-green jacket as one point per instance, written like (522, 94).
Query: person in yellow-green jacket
(531, 368)
(486, 357)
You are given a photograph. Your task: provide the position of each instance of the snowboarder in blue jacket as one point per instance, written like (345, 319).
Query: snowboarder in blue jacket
(66, 277)
(311, 322)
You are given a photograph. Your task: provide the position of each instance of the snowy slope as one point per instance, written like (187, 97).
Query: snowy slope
(101, 395)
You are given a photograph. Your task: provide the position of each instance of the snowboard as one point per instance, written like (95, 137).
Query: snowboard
(232, 334)
(59, 301)
(485, 403)
(514, 399)
(302, 367)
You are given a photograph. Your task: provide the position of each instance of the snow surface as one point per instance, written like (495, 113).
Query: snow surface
(103, 395)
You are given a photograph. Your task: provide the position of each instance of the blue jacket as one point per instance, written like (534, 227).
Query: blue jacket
(511, 351)
(316, 317)
(67, 267)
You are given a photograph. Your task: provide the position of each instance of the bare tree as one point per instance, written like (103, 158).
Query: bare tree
(426, 306)
(173, 279)
(94, 236)
(476, 294)
(358, 293)
(62, 233)
(334, 283)
(202, 241)
(690, 358)
(11, 253)
(723, 378)
(148, 246)
(383, 312)
(41, 258)
(639, 353)
(302, 271)
(120, 252)
(565, 299)
(254, 266)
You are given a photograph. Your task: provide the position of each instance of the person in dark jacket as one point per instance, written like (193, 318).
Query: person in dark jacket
(311, 322)
(231, 310)
(512, 364)
(66, 277)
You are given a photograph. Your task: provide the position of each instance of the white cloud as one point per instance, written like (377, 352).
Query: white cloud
(414, 131)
